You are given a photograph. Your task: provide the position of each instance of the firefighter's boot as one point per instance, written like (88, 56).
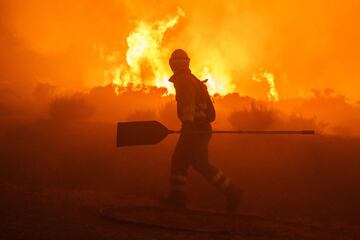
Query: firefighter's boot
(231, 192)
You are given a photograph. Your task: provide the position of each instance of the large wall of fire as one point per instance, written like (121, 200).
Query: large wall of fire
(265, 49)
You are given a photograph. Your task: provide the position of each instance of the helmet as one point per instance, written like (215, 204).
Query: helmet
(179, 60)
(179, 54)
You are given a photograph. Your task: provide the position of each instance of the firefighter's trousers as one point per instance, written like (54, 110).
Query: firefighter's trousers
(192, 150)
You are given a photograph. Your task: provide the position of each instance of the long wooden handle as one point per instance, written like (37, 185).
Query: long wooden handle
(259, 132)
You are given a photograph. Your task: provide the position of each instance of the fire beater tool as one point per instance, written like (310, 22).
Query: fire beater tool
(152, 132)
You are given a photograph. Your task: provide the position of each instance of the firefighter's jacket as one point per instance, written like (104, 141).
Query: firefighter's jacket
(191, 106)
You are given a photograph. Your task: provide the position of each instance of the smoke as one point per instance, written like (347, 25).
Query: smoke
(306, 44)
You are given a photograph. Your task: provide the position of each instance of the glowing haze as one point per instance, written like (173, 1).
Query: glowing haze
(298, 45)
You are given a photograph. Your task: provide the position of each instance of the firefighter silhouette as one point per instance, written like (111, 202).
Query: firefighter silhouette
(196, 112)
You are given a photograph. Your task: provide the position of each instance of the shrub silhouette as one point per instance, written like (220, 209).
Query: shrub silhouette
(260, 116)
(257, 116)
(70, 108)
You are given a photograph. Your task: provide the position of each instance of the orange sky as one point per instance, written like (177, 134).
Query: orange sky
(306, 44)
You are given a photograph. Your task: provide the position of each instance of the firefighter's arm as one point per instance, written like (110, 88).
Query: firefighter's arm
(185, 97)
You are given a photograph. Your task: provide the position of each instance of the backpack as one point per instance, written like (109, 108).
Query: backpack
(203, 98)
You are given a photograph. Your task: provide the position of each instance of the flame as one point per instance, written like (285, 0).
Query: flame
(272, 94)
(218, 82)
(145, 57)
(145, 45)
(147, 61)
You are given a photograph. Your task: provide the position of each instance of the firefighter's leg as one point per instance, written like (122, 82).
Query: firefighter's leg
(231, 192)
(178, 175)
(216, 177)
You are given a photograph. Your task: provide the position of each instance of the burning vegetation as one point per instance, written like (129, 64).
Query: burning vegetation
(254, 50)
(147, 61)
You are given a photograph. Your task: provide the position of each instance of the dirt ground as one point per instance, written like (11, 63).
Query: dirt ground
(55, 177)
(64, 214)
